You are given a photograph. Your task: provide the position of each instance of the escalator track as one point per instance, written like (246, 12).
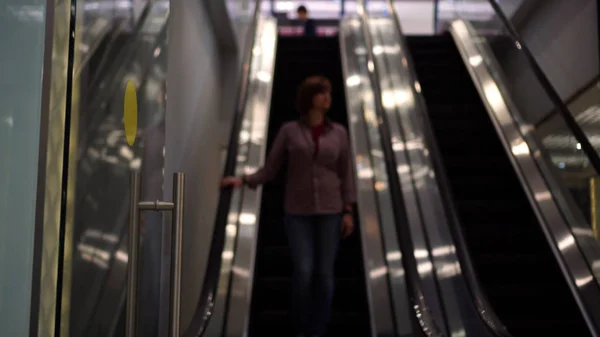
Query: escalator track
(298, 58)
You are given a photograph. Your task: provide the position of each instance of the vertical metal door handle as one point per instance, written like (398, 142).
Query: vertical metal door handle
(132, 257)
(176, 208)
(176, 253)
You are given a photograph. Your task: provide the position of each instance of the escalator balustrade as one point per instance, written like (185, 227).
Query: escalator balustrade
(513, 260)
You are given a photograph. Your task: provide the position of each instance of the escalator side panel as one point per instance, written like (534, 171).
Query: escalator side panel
(389, 300)
(514, 262)
(561, 219)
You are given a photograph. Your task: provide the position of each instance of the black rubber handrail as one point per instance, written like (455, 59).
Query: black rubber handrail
(561, 107)
(480, 300)
(206, 303)
(418, 305)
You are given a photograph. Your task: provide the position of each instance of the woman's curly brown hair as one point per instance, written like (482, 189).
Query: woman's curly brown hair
(310, 87)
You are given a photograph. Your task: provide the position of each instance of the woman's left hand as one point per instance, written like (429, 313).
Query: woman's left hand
(347, 225)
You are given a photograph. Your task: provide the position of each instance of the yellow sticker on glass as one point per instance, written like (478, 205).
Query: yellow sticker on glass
(130, 113)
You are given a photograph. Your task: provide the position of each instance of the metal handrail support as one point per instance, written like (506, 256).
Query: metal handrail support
(176, 208)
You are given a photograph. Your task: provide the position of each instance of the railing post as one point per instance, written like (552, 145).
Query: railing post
(133, 255)
(176, 253)
(176, 208)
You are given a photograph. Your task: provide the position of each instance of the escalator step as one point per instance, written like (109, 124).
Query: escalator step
(342, 324)
(275, 291)
(280, 262)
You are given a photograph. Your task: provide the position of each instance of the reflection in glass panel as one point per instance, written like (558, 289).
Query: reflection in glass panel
(101, 166)
(557, 147)
(566, 152)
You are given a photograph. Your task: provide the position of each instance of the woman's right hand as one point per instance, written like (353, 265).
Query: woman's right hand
(234, 182)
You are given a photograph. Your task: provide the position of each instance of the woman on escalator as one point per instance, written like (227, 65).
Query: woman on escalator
(319, 197)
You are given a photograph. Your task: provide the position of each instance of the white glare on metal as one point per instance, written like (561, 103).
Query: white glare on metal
(493, 96)
(368, 96)
(125, 152)
(232, 217)
(227, 255)
(520, 149)
(84, 48)
(378, 272)
(388, 99)
(580, 282)
(448, 270)
(378, 50)
(425, 267)
(121, 256)
(578, 146)
(566, 242)
(360, 51)
(391, 99)
(402, 97)
(244, 136)
(156, 51)
(394, 256)
(392, 50)
(442, 251)
(249, 169)
(421, 253)
(418, 86)
(518, 44)
(543, 196)
(231, 229)
(380, 186)
(398, 147)
(475, 60)
(365, 173)
(371, 66)
(403, 169)
(377, 153)
(247, 219)
(396, 272)
(353, 81)
(263, 76)
(243, 272)
(135, 164)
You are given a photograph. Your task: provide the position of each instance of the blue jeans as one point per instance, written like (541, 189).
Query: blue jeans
(313, 242)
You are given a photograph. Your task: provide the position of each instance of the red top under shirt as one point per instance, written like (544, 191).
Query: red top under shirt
(317, 131)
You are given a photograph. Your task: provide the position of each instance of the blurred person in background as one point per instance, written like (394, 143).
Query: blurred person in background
(309, 24)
